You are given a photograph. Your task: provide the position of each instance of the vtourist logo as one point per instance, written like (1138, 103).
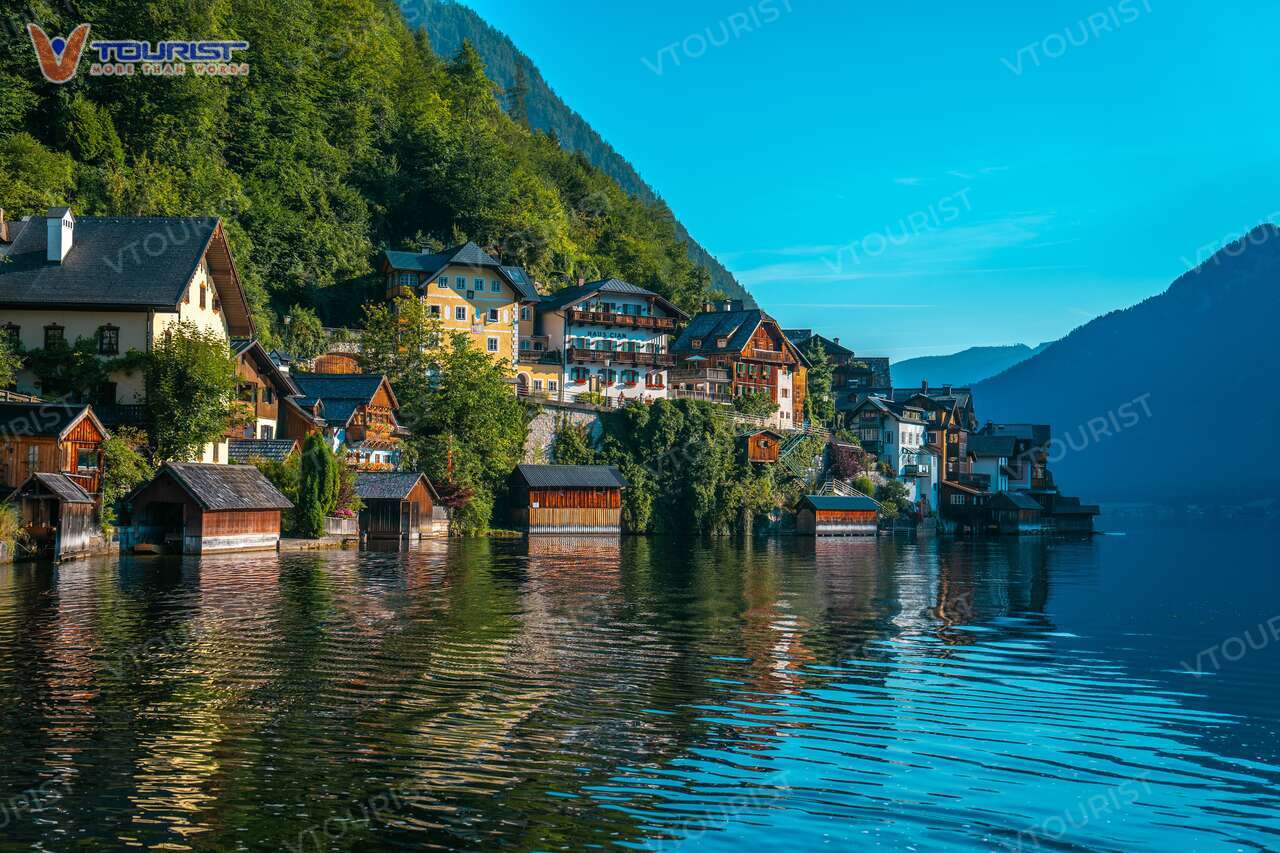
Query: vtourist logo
(60, 57)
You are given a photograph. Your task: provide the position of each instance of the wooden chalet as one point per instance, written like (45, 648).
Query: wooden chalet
(834, 515)
(196, 508)
(567, 498)
(358, 413)
(1015, 513)
(262, 390)
(59, 518)
(763, 445)
(399, 505)
(728, 351)
(51, 438)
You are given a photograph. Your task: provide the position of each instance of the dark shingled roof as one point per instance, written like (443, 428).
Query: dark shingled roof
(992, 445)
(61, 486)
(339, 393)
(736, 326)
(225, 487)
(241, 450)
(579, 292)
(390, 485)
(41, 419)
(135, 262)
(837, 502)
(806, 341)
(571, 476)
(468, 254)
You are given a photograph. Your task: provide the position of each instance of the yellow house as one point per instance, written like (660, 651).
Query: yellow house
(470, 292)
(120, 282)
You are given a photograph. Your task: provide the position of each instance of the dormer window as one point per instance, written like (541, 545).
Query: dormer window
(696, 343)
(721, 343)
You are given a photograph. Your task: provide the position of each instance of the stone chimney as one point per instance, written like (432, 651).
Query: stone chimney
(924, 386)
(60, 227)
(4, 227)
(835, 341)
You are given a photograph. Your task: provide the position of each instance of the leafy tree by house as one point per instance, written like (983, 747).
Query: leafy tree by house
(864, 485)
(571, 444)
(403, 342)
(819, 404)
(68, 371)
(469, 430)
(10, 363)
(286, 476)
(124, 467)
(757, 403)
(893, 499)
(191, 391)
(305, 338)
(318, 486)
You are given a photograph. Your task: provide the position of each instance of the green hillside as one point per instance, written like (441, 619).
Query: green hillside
(529, 98)
(349, 135)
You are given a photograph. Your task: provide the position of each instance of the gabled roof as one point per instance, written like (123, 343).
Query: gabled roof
(219, 488)
(266, 365)
(468, 254)
(242, 450)
(122, 263)
(992, 445)
(580, 292)
(806, 340)
(747, 433)
(736, 327)
(571, 476)
(391, 485)
(340, 394)
(59, 485)
(860, 503)
(897, 411)
(48, 420)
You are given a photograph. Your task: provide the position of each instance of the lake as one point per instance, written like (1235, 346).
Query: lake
(1114, 693)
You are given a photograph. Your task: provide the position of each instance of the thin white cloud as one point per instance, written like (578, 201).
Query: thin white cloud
(858, 305)
(909, 182)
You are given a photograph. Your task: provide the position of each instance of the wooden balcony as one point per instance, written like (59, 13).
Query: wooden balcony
(698, 374)
(772, 356)
(530, 356)
(578, 355)
(685, 394)
(916, 470)
(606, 318)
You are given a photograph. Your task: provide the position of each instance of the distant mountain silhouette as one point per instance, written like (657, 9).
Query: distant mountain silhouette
(961, 368)
(1170, 400)
(448, 23)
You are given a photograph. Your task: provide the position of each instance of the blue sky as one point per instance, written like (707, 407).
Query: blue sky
(919, 178)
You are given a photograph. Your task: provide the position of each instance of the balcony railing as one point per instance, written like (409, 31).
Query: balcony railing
(529, 356)
(703, 374)
(916, 470)
(577, 355)
(607, 318)
(685, 394)
(768, 355)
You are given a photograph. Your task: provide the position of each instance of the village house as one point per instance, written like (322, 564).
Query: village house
(763, 445)
(121, 283)
(853, 377)
(567, 498)
(727, 351)
(261, 390)
(991, 455)
(469, 291)
(608, 337)
(50, 438)
(358, 416)
(199, 509)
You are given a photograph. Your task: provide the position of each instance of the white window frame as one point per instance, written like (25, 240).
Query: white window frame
(460, 313)
(491, 344)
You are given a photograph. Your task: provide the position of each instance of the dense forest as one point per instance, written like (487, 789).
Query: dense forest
(350, 134)
(530, 99)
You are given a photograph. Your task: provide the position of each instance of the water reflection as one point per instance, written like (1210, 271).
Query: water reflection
(571, 691)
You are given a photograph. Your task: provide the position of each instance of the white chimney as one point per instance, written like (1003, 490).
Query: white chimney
(60, 227)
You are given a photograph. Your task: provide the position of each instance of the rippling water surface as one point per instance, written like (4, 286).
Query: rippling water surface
(1119, 693)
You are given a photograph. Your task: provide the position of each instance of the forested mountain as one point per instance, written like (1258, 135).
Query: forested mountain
(350, 134)
(961, 368)
(1169, 400)
(529, 98)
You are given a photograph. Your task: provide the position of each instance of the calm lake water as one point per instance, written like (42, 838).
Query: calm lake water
(1119, 693)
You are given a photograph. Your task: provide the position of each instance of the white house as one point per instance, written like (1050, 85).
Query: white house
(613, 338)
(991, 456)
